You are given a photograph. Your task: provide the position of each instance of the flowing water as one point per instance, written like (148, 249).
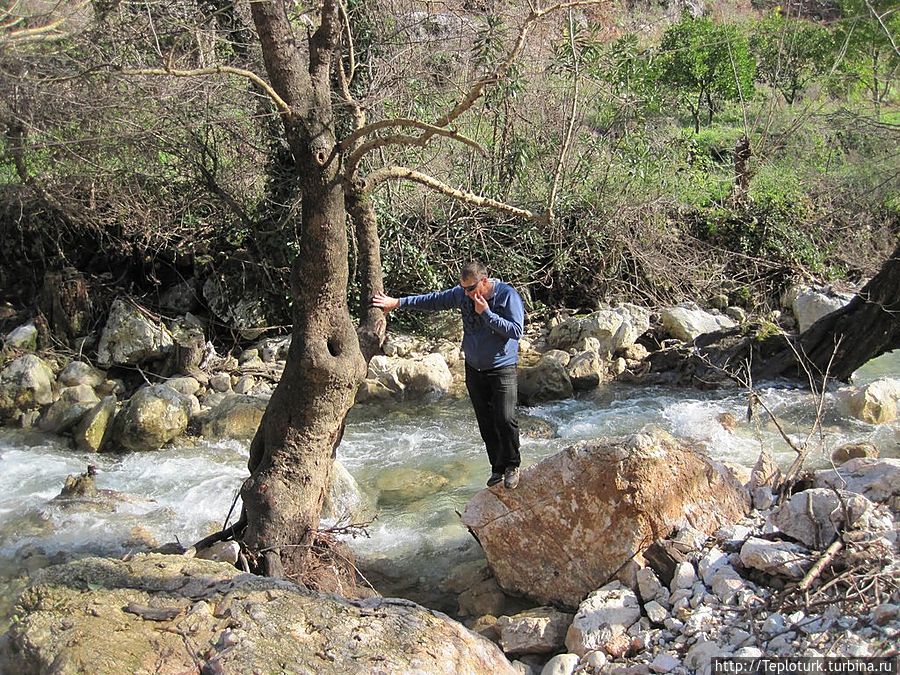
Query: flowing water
(185, 492)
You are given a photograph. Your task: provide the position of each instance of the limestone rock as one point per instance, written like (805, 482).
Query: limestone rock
(93, 430)
(25, 384)
(614, 329)
(79, 372)
(605, 614)
(578, 516)
(876, 479)
(344, 496)
(68, 409)
(25, 337)
(428, 376)
(154, 416)
(186, 386)
(93, 616)
(130, 338)
(585, 370)
(875, 403)
(810, 304)
(541, 630)
(827, 512)
(776, 557)
(686, 322)
(545, 381)
(561, 664)
(236, 416)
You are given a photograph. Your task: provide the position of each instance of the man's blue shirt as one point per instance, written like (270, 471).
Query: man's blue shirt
(490, 339)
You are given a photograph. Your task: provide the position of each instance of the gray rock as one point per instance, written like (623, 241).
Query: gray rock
(878, 480)
(25, 337)
(274, 349)
(604, 614)
(68, 409)
(810, 304)
(26, 383)
(686, 322)
(154, 416)
(561, 664)
(221, 551)
(656, 612)
(186, 386)
(664, 663)
(776, 557)
(220, 382)
(79, 372)
(235, 416)
(684, 577)
(130, 337)
(828, 513)
(546, 381)
(585, 371)
(428, 376)
(727, 584)
(651, 587)
(541, 630)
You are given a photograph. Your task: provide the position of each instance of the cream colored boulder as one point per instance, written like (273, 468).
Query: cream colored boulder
(579, 516)
(874, 403)
(545, 381)
(154, 416)
(686, 322)
(541, 630)
(26, 383)
(236, 416)
(130, 337)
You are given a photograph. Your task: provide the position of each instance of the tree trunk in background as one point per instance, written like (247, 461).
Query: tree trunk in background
(291, 455)
(867, 327)
(372, 321)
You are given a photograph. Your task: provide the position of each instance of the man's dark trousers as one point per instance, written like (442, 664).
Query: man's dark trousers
(493, 393)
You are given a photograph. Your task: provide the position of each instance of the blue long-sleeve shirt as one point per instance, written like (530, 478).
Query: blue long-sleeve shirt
(490, 339)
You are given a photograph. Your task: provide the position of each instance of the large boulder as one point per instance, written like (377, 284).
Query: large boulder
(25, 384)
(130, 337)
(579, 516)
(809, 304)
(429, 376)
(874, 403)
(613, 329)
(687, 321)
(171, 614)
(236, 416)
(545, 381)
(154, 416)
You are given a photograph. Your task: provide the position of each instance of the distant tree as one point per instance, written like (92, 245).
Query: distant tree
(705, 64)
(791, 53)
(869, 39)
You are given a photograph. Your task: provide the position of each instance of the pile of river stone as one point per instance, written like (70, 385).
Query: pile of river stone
(726, 598)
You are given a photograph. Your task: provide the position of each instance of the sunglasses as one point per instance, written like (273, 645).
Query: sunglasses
(469, 289)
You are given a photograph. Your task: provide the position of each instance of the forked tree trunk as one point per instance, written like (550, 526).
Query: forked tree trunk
(291, 455)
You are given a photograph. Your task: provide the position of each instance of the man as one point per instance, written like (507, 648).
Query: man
(493, 321)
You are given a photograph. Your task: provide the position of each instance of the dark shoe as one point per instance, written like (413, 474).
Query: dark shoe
(494, 479)
(511, 478)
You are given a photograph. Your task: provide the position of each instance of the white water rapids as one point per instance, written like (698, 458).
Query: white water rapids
(185, 492)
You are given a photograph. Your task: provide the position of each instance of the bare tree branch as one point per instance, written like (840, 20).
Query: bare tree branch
(215, 70)
(398, 139)
(403, 173)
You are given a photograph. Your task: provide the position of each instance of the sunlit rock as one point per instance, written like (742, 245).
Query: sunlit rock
(154, 416)
(428, 376)
(25, 384)
(810, 304)
(782, 558)
(96, 614)
(130, 337)
(541, 630)
(585, 370)
(687, 321)
(814, 517)
(344, 498)
(876, 479)
(612, 328)
(579, 516)
(236, 416)
(603, 618)
(874, 403)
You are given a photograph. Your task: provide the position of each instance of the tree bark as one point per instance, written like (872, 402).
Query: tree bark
(291, 455)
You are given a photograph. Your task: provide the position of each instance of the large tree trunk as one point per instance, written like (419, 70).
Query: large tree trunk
(867, 327)
(837, 344)
(291, 455)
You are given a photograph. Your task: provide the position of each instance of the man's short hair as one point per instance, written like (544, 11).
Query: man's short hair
(473, 270)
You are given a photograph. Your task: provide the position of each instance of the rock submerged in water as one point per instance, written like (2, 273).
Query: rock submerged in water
(91, 615)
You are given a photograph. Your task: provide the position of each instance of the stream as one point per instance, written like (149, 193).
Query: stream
(183, 493)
